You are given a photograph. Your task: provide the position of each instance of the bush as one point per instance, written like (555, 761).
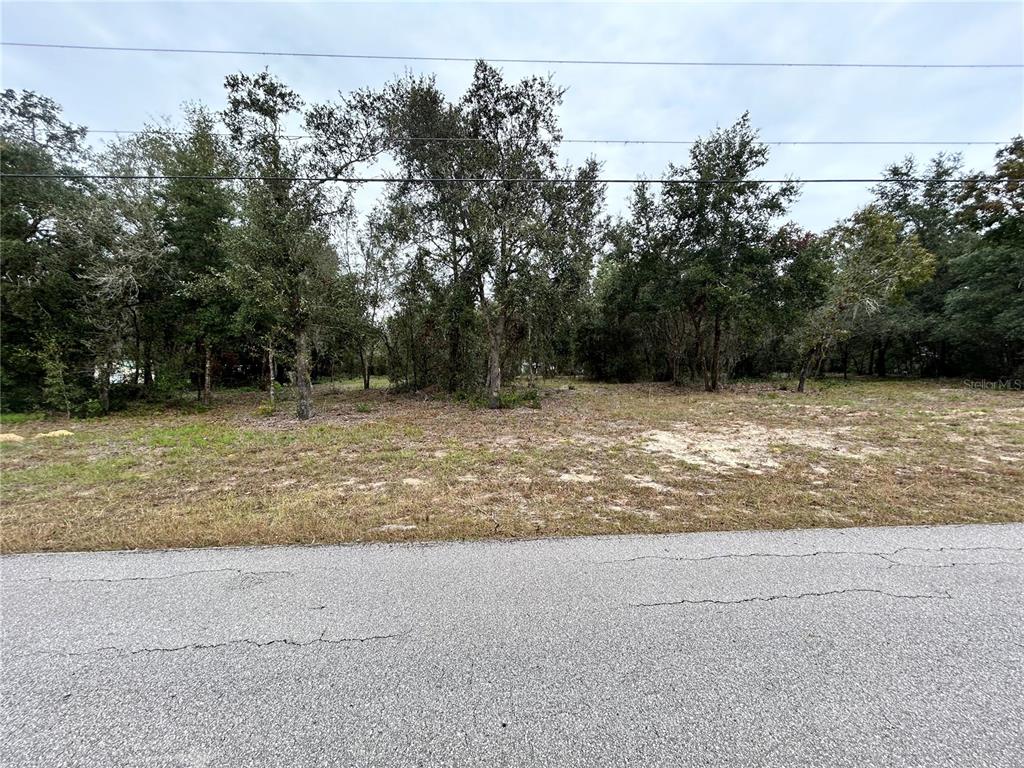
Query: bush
(513, 398)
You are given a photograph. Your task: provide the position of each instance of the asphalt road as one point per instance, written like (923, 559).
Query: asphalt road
(859, 647)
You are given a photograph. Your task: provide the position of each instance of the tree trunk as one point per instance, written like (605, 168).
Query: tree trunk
(138, 350)
(495, 334)
(715, 357)
(698, 352)
(271, 374)
(147, 367)
(529, 355)
(105, 386)
(453, 377)
(882, 349)
(303, 382)
(805, 368)
(364, 358)
(207, 372)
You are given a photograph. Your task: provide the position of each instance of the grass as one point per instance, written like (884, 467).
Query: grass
(375, 466)
(7, 419)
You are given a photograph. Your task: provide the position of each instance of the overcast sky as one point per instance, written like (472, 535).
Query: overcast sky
(108, 90)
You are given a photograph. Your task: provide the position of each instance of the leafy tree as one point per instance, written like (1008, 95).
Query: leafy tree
(131, 258)
(985, 306)
(40, 271)
(926, 204)
(718, 221)
(874, 261)
(478, 208)
(571, 243)
(196, 211)
(283, 249)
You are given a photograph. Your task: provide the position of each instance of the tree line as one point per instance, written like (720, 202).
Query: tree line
(230, 251)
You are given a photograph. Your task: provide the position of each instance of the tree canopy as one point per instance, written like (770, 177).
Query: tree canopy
(230, 251)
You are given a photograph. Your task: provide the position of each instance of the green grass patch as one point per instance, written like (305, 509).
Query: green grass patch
(10, 419)
(189, 438)
(110, 470)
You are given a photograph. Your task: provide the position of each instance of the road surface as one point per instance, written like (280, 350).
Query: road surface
(888, 646)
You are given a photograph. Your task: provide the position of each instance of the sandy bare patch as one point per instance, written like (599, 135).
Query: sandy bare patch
(10, 437)
(576, 477)
(646, 481)
(742, 446)
(57, 433)
(413, 482)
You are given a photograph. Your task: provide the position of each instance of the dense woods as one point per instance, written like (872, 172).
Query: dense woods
(229, 252)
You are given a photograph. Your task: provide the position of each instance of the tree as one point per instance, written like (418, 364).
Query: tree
(478, 206)
(283, 244)
(873, 261)
(40, 270)
(926, 204)
(985, 306)
(718, 222)
(196, 210)
(571, 243)
(131, 268)
(371, 275)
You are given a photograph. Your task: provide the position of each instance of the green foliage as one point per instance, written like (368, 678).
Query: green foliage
(59, 390)
(515, 398)
(695, 271)
(161, 276)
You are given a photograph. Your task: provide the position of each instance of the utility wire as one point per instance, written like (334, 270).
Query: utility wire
(685, 142)
(601, 62)
(520, 180)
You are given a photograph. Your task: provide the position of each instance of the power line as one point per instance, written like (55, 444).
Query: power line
(684, 142)
(519, 180)
(600, 62)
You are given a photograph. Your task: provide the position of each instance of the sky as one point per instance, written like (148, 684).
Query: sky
(120, 90)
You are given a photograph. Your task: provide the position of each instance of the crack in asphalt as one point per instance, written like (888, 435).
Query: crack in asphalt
(321, 640)
(822, 553)
(183, 574)
(802, 595)
(886, 556)
(898, 564)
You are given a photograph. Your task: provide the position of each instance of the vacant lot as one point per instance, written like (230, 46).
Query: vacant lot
(593, 459)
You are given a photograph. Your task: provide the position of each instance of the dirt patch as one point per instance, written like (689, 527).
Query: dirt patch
(750, 447)
(646, 481)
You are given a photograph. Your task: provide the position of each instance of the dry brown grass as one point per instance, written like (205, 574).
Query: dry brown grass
(596, 459)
